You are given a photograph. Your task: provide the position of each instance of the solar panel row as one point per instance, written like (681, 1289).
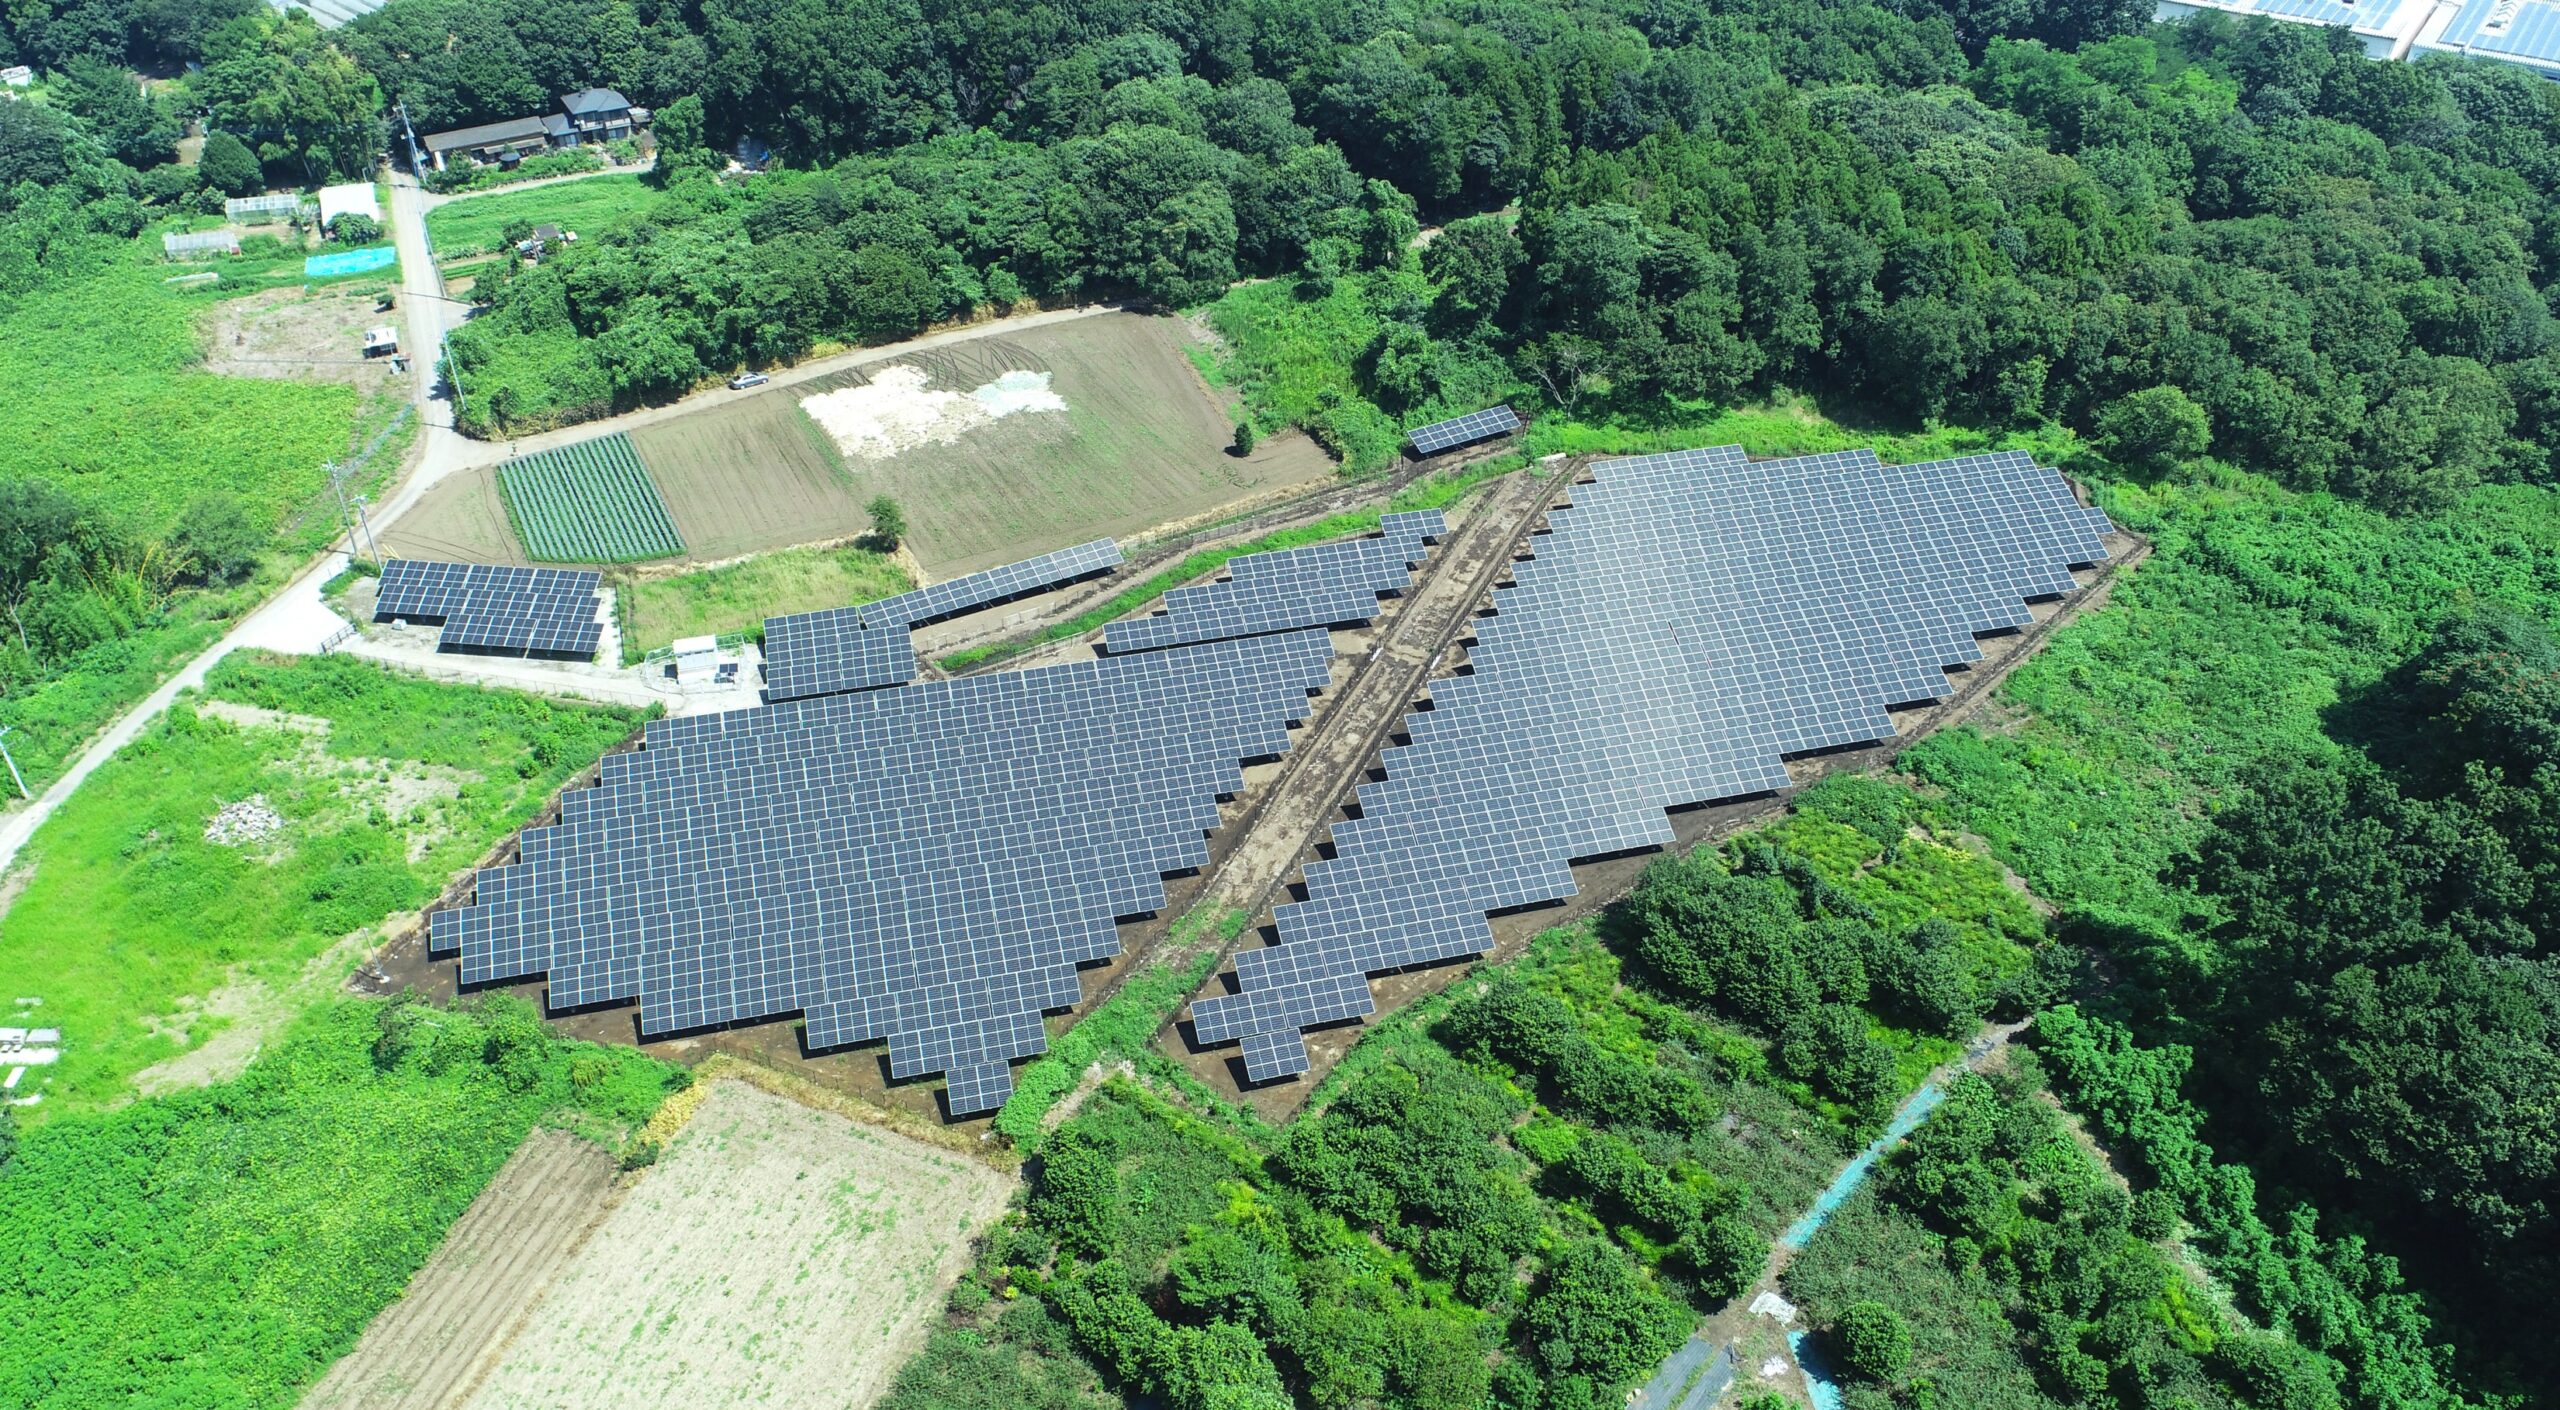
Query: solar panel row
(1464, 430)
(935, 601)
(542, 611)
(823, 653)
(1325, 585)
(1690, 620)
(927, 865)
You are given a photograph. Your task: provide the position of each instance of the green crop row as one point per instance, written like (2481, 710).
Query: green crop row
(592, 502)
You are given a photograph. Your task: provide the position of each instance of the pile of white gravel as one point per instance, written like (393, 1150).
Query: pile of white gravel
(896, 411)
(239, 824)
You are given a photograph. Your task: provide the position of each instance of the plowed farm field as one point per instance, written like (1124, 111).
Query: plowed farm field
(1099, 427)
(774, 1255)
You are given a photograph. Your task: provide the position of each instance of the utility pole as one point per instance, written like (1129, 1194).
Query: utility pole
(347, 513)
(372, 544)
(13, 764)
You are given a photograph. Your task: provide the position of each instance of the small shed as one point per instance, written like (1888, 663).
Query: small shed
(353, 198)
(18, 76)
(697, 658)
(200, 244)
(382, 341)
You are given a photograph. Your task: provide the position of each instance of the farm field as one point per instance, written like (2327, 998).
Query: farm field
(462, 520)
(774, 1255)
(500, 1258)
(164, 953)
(1141, 441)
(737, 596)
(587, 502)
(751, 475)
(473, 224)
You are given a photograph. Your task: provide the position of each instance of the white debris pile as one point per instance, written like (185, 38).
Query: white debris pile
(895, 411)
(239, 824)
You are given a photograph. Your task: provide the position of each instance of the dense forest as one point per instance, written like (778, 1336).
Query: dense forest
(2249, 239)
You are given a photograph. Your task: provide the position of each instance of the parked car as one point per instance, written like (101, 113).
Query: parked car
(745, 380)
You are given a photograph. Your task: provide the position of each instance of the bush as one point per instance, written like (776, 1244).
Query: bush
(888, 522)
(228, 166)
(217, 538)
(356, 229)
(1873, 1341)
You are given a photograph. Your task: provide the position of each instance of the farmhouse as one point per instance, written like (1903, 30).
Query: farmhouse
(588, 115)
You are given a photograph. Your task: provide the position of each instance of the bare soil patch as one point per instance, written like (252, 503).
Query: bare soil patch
(775, 1255)
(750, 475)
(430, 1349)
(305, 335)
(461, 520)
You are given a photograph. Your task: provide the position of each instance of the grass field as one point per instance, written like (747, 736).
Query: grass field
(104, 398)
(1142, 442)
(774, 1255)
(588, 502)
(145, 941)
(473, 224)
(739, 596)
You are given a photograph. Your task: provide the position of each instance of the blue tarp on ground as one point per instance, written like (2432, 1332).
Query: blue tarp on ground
(339, 262)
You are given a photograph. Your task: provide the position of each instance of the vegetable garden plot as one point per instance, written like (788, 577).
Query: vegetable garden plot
(592, 502)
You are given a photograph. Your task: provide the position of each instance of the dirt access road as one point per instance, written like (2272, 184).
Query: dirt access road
(1322, 771)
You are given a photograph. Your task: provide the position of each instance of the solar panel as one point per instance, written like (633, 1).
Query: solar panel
(489, 610)
(1464, 430)
(1689, 621)
(936, 601)
(823, 653)
(1328, 584)
(927, 865)
(2520, 31)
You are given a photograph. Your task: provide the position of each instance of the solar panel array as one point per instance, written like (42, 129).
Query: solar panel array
(936, 601)
(2372, 15)
(823, 653)
(1691, 619)
(539, 611)
(1324, 585)
(1464, 430)
(927, 865)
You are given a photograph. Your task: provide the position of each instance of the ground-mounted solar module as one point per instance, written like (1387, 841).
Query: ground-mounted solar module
(936, 601)
(824, 653)
(1463, 430)
(513, 611)
(927, 865)
(1690, 620)
(1329, 584)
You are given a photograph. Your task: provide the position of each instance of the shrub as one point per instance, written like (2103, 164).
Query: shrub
(1873, 1341)
(217, 538)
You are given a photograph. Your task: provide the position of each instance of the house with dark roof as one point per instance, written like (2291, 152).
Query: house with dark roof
(599, 115)
(588, 115)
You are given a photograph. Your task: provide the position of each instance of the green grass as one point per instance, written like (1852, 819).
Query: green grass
(130, 910)
(221, 1247)
(255, 270)
(737, 597)
(1438, 492)
(588, 502)
(104, 400)
(1791, 425)
(473, 224)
